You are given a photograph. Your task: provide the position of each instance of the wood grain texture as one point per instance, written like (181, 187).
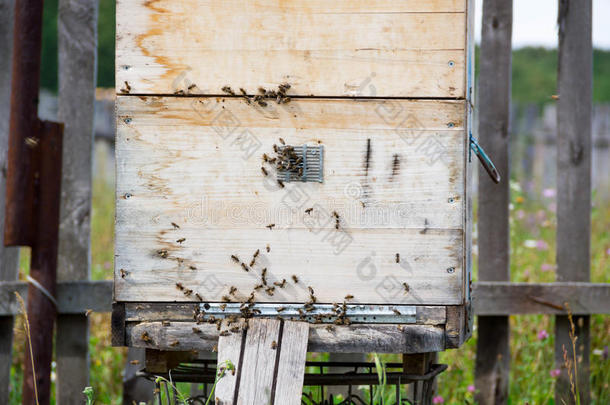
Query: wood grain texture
(291, 366)
(77, 57)
(380, 338)
(574, 113)
(229, 350)
(339, 48)
(257, 367)
(9, 256)
(493, 352)
(177, 164)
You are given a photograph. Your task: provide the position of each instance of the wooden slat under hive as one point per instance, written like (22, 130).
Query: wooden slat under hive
(394, 172)
(369, 48)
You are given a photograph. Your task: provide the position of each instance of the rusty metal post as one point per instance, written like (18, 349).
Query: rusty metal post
(32, 195)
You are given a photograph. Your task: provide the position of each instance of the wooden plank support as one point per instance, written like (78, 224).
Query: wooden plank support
(290, 370)
(77, 51)
(229, 352)
(493, 352)
(9, 256)
(575, 89)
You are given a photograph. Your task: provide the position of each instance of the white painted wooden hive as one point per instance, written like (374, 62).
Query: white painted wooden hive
(382, 88)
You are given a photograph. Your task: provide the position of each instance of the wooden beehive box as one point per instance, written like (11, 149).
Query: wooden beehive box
(379, 94)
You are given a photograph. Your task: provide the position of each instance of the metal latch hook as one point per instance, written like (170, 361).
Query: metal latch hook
(489, 166)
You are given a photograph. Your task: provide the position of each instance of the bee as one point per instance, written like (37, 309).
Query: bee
(349, 297)
(337, 224)
(275, 148)
(258, 287)
(215, 348)
(198, 297)
(188, 292)
(252, 262)
(346, 321)
(256, 253)
(192, 267)
(283, 87)
(282, 141)
(223, 306)
(165, 323)
(295, 279)
(243, 266)
(280, 284)
(196, 330)
(268, 248)
(406, 287)
(162, 253)
(262, 103)
(235, 258)
(261, 90)
(280, 183)
(123, 273)
(310, 290)
(175, 225)
(270, 226)
(280, 309)
(397, 312)
(242, 91)
(401, 328)
(270, 291)
(232, 290)
(308, 211)
(180, 286)
(330, 328)
(191, 87)
(88, 312)
(335, 214)
(179, 92)
(226, 298)
(127, 88)
(235, 329)
(224, 333)
(180, 240)
(145, 337)
(134, 362)
(265, 157)
(274, 345)
(228, 90)
(264, 171)
(397, 257)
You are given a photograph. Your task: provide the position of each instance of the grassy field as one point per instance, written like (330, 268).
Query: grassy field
(532, 259)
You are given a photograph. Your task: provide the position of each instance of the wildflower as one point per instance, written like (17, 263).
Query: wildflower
(471, 388)
(549, 192)
(438, 400)
(608, 251)
(519, 199)
(542, 335)
(555, 373)
(530, 243)
(520, 214)
(542, 245)
(547, 267)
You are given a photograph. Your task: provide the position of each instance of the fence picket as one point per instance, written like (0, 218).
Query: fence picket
(9, 257)
(493, 351)
(77, 43)
(574, 111)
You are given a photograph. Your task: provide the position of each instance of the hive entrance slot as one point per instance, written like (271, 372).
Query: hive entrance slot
(300, 163)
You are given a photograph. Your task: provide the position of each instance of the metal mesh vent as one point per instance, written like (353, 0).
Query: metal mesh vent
(305, 163)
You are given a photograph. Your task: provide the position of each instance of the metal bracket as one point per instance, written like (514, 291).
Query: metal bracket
(308, 164)
(325, 313)
(485, 160)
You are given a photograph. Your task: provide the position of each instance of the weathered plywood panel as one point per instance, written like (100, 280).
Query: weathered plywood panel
(350, 48)
(393, 171)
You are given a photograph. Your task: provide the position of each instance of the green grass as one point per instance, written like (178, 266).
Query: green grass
(531, 357)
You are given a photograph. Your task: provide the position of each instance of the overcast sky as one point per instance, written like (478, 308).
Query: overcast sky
(535, 23)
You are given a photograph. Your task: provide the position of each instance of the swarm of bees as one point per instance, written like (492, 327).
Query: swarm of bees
(279, 95)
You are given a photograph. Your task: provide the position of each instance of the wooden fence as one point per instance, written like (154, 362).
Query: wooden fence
(494, 296)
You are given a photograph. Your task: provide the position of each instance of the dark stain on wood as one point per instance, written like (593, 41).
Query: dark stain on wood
(367, 159)
(395, 166)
